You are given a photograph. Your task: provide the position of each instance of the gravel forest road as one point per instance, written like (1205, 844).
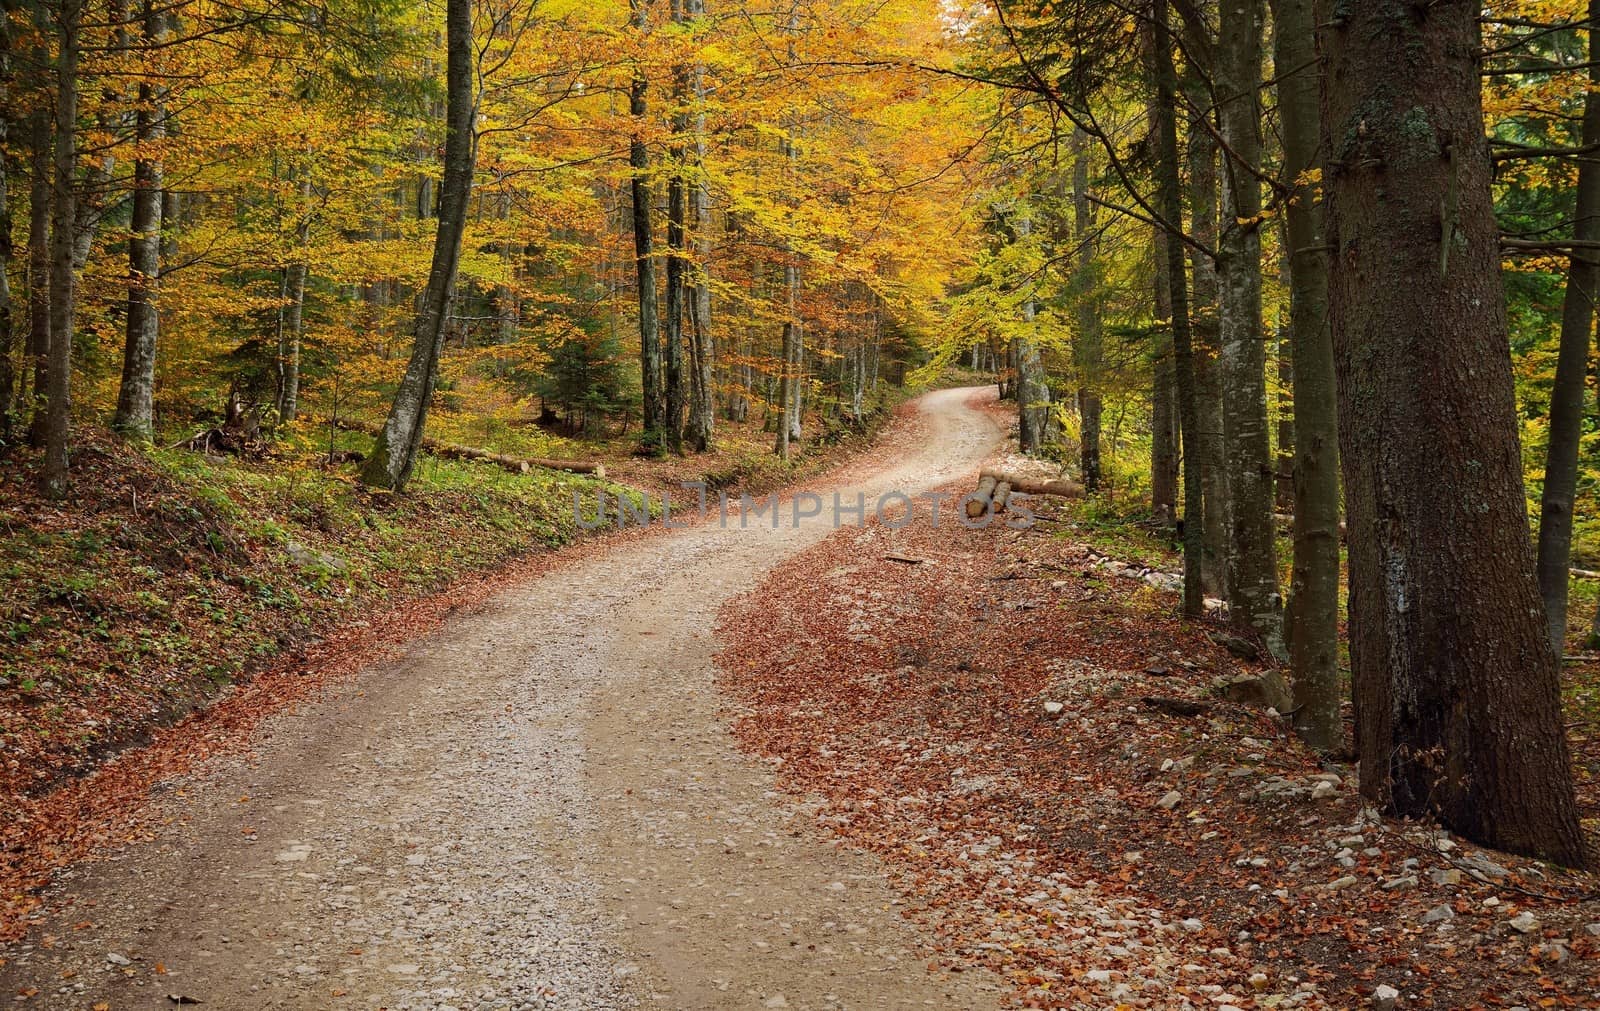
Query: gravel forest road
(538, 807)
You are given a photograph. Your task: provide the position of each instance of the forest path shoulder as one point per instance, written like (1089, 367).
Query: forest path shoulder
(538, 807)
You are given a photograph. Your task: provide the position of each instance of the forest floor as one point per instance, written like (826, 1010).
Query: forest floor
(982, 720)
(754, 767)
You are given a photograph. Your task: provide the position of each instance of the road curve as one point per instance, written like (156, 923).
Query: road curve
(538, 807)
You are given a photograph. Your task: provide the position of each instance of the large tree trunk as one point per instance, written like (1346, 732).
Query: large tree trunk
(1253, 597)
(1314, 586)
(1087, 348)
(1169, 202)
(135, 414)
(39, 192)
(8, 370)
(1572, 366)
(1458, 711)
(63, 277)
(395, 451)
(701, 424)
(1201, 155)
(644, 243)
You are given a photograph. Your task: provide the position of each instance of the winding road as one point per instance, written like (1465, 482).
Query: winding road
(539, 807)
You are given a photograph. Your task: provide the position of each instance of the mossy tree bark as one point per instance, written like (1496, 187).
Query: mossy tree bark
(1458, 711)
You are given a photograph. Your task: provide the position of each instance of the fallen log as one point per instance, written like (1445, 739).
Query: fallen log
(1060, 487)
(1002, 495)
(982, 500)
(514, 464)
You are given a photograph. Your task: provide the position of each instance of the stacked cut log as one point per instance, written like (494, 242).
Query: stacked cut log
(995, 489)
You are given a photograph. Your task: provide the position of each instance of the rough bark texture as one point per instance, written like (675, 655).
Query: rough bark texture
(1314, 586)
(1201, 155)
(1572, 367)
(63, 277)
(1169, 203)
(395, 451)
(135, 414)
(1254, 602)
(644, 243)
(1457, 706)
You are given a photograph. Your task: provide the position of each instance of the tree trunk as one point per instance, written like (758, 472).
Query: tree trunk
(1253, 597)
(1169, 203)
(39, 193)
(793, 337)
(1032, 391)
(8, 371)
(292, 314)
(1201, 154)
(1163, 396)
(1314, 585)
(1283, 466)
(789, 373)
(1087, 348)
(700, 427)
(675, 378)
(643, 243)
(1572, 366)
(395, 451)
(63, 278)
(1458, 711)
(135, 414)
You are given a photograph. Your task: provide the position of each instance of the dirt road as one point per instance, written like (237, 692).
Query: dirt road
(539, 807)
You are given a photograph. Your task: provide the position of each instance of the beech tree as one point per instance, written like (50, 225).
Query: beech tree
(394, 453)
(1314, 585)
(1252, 556)
(135, 414)
(1456, 695)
